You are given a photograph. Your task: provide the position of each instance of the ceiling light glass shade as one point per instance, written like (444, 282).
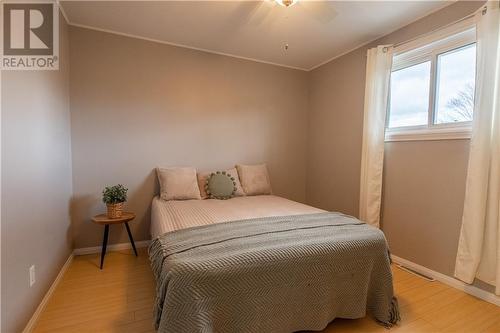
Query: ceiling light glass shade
(286, 3)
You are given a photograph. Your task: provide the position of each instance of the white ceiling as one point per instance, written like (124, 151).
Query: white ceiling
(315, 31)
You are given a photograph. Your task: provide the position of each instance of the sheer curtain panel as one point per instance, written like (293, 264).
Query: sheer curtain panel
(478, 253)
(378, 73)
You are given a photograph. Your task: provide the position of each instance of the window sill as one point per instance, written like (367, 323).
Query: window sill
(422, 134)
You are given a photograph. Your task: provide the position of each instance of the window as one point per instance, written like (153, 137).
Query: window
(432, 87)
(409, 104)
(455, 83)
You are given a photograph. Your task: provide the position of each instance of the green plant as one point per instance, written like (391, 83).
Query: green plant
(114, 194)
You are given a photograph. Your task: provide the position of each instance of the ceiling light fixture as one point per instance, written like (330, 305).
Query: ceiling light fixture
(286, 3)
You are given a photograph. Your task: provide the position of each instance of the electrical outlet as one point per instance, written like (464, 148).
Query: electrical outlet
(32, 275)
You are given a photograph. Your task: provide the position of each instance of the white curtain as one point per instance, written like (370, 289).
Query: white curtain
(479, 245)
(378, 73)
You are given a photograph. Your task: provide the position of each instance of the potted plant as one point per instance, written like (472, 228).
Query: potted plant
(114, 197)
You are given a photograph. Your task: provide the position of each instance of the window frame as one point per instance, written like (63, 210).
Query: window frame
(424, 49)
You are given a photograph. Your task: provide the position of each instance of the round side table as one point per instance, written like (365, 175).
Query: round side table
(103, 219)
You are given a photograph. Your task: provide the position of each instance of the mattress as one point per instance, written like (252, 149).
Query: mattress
(174, 215)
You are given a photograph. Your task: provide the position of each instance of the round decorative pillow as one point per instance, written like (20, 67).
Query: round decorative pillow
(220, 185)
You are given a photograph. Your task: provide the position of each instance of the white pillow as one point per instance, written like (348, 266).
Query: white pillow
(178, 183)
(202, 181)
(254, 179)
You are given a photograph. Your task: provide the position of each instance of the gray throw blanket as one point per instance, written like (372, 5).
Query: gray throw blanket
(274, 274)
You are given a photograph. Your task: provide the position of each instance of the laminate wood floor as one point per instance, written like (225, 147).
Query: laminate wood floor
(120, 299)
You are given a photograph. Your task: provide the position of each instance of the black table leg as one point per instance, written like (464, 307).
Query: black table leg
(104, 243)
(130, 237)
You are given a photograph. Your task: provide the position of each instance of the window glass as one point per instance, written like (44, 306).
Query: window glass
(455, 84)
(409, 96)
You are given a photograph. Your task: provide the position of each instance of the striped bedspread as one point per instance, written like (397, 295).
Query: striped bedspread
(273, 274)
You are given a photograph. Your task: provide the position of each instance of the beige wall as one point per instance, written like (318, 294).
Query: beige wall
(424, 187)
(423, 181)
(36, 184)
(136, 105)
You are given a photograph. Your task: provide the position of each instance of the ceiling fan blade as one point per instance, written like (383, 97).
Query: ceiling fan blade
(253, 12)
(323, 11)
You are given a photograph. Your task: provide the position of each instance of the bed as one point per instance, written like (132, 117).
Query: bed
(265, 264)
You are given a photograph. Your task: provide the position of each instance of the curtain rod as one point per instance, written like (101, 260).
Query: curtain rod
(483, 10)
(435, 30)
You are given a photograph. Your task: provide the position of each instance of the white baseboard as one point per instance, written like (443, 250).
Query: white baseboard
(113, 247)
(33, 320)
(450, 281)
